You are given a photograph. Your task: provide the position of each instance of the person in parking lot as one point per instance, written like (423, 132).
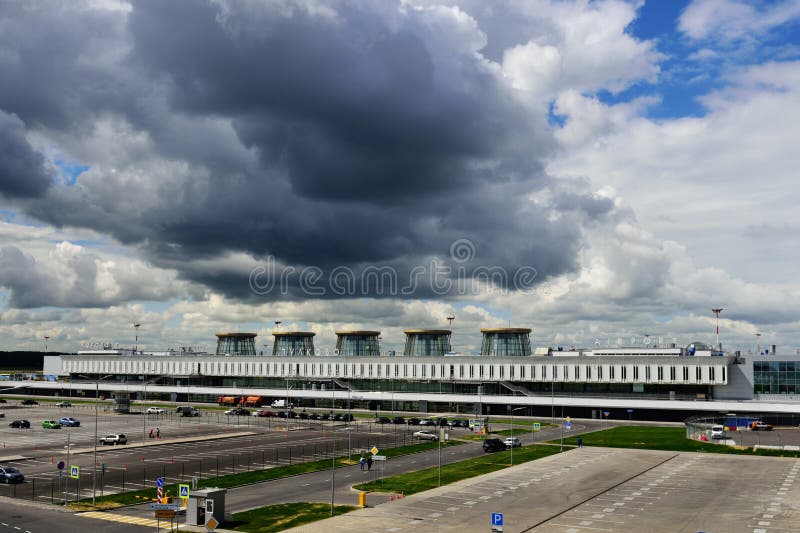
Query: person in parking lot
(369, 463)
(151, 433)
(580, 442)
(158, 433)
(362, 462)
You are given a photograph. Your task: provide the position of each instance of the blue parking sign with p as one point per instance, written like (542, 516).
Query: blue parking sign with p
(497, 519)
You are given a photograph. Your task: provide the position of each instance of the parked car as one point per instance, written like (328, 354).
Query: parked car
(64, 404)
(324, 416)
(426, 435)
(493, 445)
(2, 400)
(51, 424)
(2, 415)
(22, 424)
(347, 417)
(426, 422)
(154, 411)
(238, 411)
(717, 432)
(263, 413)
(459, 423)
(398, 420)
(441, 421)
(760, 426)
(413, 421)
(114, 439)
(303, 416)
(9, 474)
(337, 417)
(30, 402)
(187, 410)
(313, 416)
(68, 421)
(512, 442)
(383, 420)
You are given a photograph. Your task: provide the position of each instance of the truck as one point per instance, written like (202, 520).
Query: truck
(281, 404)
(187, 410)
(251, 401)
(227, 400)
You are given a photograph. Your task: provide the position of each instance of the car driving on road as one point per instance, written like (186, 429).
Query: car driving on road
(113, 439)
(70, 422)
(512, 442)
(760, 426)
(22, 424)
(154, 411)
(237, 412)
(64, 404)
(51, 424)
(30, 402)
(425, 435)
(9, 474)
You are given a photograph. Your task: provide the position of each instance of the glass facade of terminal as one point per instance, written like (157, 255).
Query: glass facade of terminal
(776, 377)
(426, 344)
(513, 344)
(236, 345)
(358, 345)
(289, 345)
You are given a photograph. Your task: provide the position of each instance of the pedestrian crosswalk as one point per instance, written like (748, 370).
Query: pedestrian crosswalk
(147, 522)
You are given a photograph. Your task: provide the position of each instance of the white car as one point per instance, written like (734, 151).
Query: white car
(717, 432)
(154, 411)
(426, 435)
(512, 442)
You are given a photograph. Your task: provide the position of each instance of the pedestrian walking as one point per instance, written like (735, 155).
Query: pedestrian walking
(369, 463)
(580, 442)
(158, 433)
(362, 462)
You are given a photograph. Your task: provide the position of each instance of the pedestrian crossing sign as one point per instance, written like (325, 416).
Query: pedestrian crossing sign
(183, 490)
(74, 472)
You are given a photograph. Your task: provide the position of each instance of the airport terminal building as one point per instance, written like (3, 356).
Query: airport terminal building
(648, 381)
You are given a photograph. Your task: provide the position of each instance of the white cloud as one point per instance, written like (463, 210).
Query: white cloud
(731, 20)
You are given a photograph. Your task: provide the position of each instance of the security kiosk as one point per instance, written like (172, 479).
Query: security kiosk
(204, 504)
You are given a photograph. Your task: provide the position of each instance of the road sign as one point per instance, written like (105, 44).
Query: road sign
(165, 506)
(630, 411)
(374, 450)
(183, 490)
(378, 457)
(497, 522)
(165, 513)
(61, 465)
(75, 472)
(568, 419)
(160, 482)
(537, 426)
(211, 523)
(606, 413)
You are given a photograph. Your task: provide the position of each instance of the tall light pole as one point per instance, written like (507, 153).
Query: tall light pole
(94, 455)
(513, 410)
(46, 338)
(717, 311)
(758, 343)
(136, 327)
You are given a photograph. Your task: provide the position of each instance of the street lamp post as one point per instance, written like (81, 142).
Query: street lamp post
(513, 410)
(94, 454)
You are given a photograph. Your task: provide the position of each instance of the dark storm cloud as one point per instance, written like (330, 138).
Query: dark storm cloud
(22, 169)
(366, 134)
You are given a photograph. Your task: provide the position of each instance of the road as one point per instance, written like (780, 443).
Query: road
(23, 517)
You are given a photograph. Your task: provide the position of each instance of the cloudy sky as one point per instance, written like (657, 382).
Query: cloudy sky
(594, 170)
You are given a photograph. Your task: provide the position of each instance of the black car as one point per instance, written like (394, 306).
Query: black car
(9, 474)
(383, 420)
(398, 420)
(347, 417)
(20, 424)
(337, 417)
(441, 421)
(413, 421)
(2, 400)
(458, 423)
(30, 402)
(303, 416)
(324, 416)
(493, 445)
(313, 416)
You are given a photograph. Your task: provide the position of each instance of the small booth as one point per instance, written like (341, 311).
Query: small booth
(205, 503)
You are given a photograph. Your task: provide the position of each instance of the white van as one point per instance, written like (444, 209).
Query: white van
(717, 432)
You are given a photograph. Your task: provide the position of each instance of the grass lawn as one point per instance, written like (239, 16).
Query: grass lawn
(283, 516)
(254, 476)
(661, 438)
(422, 480)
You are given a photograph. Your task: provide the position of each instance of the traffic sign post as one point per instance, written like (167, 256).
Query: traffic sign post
(629, 415)
(160, 493)
(497, 522)
(374, 450)
(183, 492)
(75, 472)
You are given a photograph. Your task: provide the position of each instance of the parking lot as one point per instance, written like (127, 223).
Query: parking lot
(202, 447)
(603, 489)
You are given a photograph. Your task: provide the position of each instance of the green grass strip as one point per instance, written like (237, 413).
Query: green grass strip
(664, 438)
(422, 480)
(283, 516)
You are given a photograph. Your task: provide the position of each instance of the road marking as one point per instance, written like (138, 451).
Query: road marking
(120, 518)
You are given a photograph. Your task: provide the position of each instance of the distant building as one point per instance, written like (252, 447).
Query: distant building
(236, 344)
(427, 342)
(293, 343)
(358, 343)
(513, 342)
